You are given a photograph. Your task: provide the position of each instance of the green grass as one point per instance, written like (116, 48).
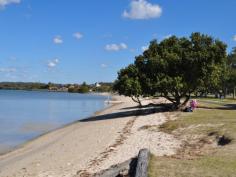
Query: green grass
(214, 161)
(217, 100)
(207, 166)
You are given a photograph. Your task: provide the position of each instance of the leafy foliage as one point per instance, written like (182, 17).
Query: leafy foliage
(175, 68)
(23, 85)
(128, 83)
(231, 77)
(84, 88)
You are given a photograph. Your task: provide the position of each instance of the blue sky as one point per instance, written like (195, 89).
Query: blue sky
(71, 41)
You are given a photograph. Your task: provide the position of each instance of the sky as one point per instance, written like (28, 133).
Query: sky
(71, 41)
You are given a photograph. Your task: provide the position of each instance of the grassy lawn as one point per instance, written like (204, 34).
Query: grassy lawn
(217, 100)
(201, 155)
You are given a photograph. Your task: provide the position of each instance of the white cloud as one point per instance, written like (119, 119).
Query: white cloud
(4, 3)
(53, 63)
(56, 60)
(57, 40)
(78, 35)
(123, 46)
(234, 38)
(8, 70)
(144, 47)
(112, 47)
(141, 9)
(104, 65)
(116, 47)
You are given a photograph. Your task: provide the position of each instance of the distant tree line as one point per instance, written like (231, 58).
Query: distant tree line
(23, 85)
(73, 88)
(177, 68)
(84, 88)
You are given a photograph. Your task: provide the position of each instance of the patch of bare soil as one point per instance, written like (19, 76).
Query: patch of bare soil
(194, 146)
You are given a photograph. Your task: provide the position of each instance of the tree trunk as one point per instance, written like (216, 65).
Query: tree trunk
(225, 92)
(185, 101)
(234, 93)
(137, 100)
(178, 105)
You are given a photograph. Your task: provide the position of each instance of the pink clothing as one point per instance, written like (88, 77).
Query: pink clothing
(193, 104)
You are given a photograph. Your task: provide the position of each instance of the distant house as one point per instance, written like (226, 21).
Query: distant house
(52, 88)
(63, 89)
(97, 84)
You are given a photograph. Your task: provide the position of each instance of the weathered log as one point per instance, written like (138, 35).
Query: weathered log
(142, 164)
(125, 169)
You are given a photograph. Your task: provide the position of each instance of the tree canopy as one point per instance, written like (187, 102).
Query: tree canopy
(231, 61)
(231, 75)
(128, 83)
(84, 88)
(175, 68)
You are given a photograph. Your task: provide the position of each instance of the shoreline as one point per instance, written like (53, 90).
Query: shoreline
(91, 145)
(53, 91)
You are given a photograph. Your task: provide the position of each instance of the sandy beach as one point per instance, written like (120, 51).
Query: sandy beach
(112, 136)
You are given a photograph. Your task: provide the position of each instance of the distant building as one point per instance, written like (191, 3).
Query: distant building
(63, 89)
(52, 88)
(97, 84)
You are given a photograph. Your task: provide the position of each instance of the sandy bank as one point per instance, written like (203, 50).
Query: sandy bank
(113, 136)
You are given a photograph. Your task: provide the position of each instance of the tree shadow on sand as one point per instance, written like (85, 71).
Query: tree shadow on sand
(164, 106)
(135, 111)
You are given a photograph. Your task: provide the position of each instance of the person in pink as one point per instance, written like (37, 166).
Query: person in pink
(193, 104)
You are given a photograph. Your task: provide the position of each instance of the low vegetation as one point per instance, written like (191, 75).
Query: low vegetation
(209, 147)
(23, 85)
(73, 88)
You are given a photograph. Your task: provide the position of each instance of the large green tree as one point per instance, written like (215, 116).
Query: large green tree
(177, 67)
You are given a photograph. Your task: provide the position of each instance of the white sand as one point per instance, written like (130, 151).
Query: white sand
(90, 145)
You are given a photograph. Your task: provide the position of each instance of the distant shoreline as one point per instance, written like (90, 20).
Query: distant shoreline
(54, 87)
(53, 91)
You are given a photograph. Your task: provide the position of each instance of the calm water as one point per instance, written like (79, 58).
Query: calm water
(27, 114)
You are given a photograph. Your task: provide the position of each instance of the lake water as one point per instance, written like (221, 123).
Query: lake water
(27, 114)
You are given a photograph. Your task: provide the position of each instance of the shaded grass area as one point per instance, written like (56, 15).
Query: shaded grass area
(201, 155)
